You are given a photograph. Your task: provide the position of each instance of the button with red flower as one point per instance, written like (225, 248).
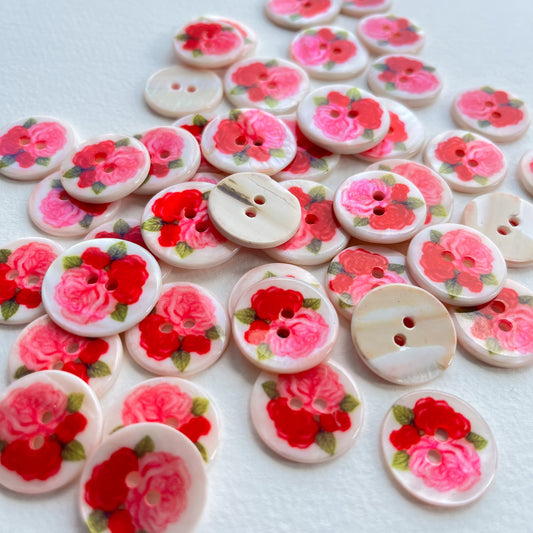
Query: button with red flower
(296, 14)
(247, 33)
(525, 171)
(362, 8)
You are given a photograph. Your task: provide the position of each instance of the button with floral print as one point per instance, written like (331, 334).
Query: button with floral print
(498, 115)
(296, 14)
(176, 402)
(359, 269)
(105, 168)
(405, 78)
(403, 334)
(101, 287)
(254, 211)
(284, 325)
(208, 177)
(457, 264)
(343, 119)
(381, 207)
(328, 53)
(145, 477)
(249, 36)
(186, 332)
(525, 171)
(362, 8)
(308, 417)
(33, 147)
(499, 333)
(438, 448)
(23, 264)
(51, 423)
(467, 161)
(319, 236)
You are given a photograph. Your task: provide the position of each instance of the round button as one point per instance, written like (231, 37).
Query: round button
(101, 287)
(438, 448)
(403, 334)
(301, 13)
(308, 417)
(284, 325)
(145, 477)
(362, 8)
(457, 264)
(253, 210)
(50, 422)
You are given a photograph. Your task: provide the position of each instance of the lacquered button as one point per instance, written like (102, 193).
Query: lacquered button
(248, 140)
(403, 334)
(357, 270)
(31, 148)
(145, 477)
(467, 161)
(525, 171)
(436, 192)
(253, 210)
(297, 14)
(457, 264)
(249, 36)
(438, 448)
(362, 8)
(496, 114)
(177, 91)
(328, 53)
(176, 402)
(105, 168)
(50, 422)
(177, 228)
(186, 332)
(499, 333)
(23, 264)
(379, 206)
(308, 417)
(101, 287)
(343, 119)
(405, 78)
(319, 236)
(284, 325)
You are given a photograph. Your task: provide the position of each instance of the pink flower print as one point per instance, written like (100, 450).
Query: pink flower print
(514, 329)
(302, 237)
(332, 120)
(304, 8)
(361, 196)
(198, 232)
(46, 139)
(492, 108)
(164, 147)
(408, 75)
(396, 31)
(309, 50)
(470, 255)
(57, 211)
(364, 283)
(31, 261)
(483, 158)
(430, 187)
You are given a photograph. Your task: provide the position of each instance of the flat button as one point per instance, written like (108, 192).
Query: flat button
(525, 172)
(438, 448)
(50, 422)
(403, 334)
(308, 417)
(301, 13)
(362, 8)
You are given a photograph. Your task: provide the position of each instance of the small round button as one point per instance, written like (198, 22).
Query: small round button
(362, 8)
(525, 171)
(296, 14)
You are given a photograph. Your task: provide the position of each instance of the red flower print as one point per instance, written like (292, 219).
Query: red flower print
(210, 38)
(341, 283)
(397, 132)
(408, 75)
(368, 113)
(270, 303)
(257, 332)
(396, 31)
(164, 146)
(435, 264)
(471, 282)
(30, 299)
(95, 257)
(196, 427)
(361, 261)
(325, 226)
(405, 437)
(132, 235)
(337, 421)
(8, 287)
(120, 522)
(199, 344)
(156, 340)
(451, 151)
(304, 8)
(72, 425)
(78, 369)
(490, 107)
(128, 275)
(431, 415)
(396, 216)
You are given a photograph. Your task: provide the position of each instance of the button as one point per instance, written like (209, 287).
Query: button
(249, 36)
(405, 78)
(403, 334)
(296, 14)
(319, 236)
(33, 147)
(499, 333)
(359, 269)
(270, 84)
(105, 168)
(176, 402)
(467, 161)
(186, 332)
(177, 91)
(23, 264)
(362, 8)
(309, 417)
(145, 477)
(343, 119)
(498, 115)
(50, 423)
(253, 210)
(436, 192)
(438, 448)
(248, 140)
(208, 177)
(42, 345)
(284, 325)
(457, 264)
(525, 172)
(379, 206)
(177, 228)
(328, 53)
(101, 287)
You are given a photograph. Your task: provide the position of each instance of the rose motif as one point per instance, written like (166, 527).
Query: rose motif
(165, 148)
(323, 47)
(269, 303)
(31, 261)
(431, 415)
(122, 230)
(303, 8)
(396, 134)
(407, 75)
(391, 30)
(209, 38)
(361, 261)
(359, 200)
(364, 283)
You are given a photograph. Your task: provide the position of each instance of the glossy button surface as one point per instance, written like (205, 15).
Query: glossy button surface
(295, 14)
(362, 8)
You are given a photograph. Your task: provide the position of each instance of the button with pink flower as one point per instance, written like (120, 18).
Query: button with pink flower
(248, 34)
(438, 448)
(362, 8)
(525, 171)
(379, 206)
(308, 417)
(50, 423)
(145, 477)
(469, 162)
(33, 147)
(296, 14)
(457, 264)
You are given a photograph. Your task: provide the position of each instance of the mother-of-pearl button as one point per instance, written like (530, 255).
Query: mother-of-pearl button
(361, 8)
(301, 13)
(525, 171)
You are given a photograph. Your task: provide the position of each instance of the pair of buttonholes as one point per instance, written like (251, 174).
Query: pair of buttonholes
(100, 157)
(167, 327)
(494, 114)
(37, 442)
(296, 403)
(178, 87)
(471, 162)
(30, 280)
(505, 230)
(400, 339)
(24, 141)
(434, 456)
(111, 285)
(152, 497)
(283, 332)
(498, 307)
(379, 196)
(251, 212)
(351, 114)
